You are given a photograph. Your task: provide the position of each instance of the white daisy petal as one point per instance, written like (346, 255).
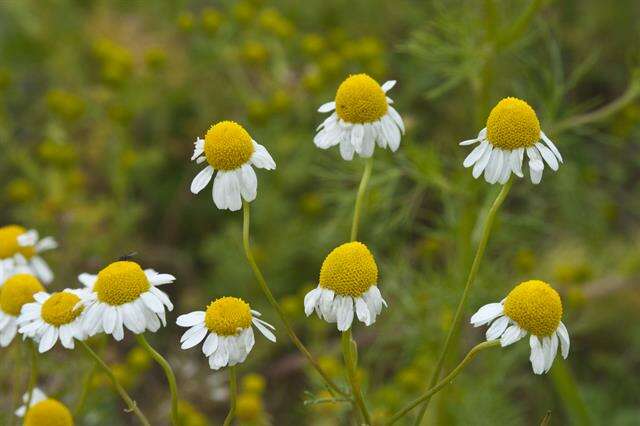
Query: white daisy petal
(486, 314)
(191, 319)
(202, 179)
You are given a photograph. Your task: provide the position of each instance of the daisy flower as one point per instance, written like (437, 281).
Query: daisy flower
(362, 115)
(532, 307)
(44, 411)
(228, 148)
(123, 295)
(348, 283)
(512, 129)
(14, 294)
(25, 247)
(9, 268)
(53, 316)
(226, 330)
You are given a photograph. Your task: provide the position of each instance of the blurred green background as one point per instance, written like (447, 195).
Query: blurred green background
(101, 101)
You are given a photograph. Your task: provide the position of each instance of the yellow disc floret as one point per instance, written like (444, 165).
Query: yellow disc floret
(9, 242)
(225, 316)
(17, 291)
(349, 270)
(60, 308)
(360, 99)
(48, 412)
(227, 145)
(121, 282)
(513, 124)
(534, 306)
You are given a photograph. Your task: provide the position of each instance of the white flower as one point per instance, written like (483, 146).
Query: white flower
(229, 149)
(348, 284)
(123, 295)
(362, 116)
(36, 397)
(226, 330)
(53, 316)
(512, 129)
(531, 307)
(24, 247)
(17, 291)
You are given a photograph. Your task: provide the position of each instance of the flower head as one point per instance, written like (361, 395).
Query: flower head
(53, 316)
(226, 329)
(123, 294)
(532, 307)
(24, 248)
(512, 129)
(228, 148)
(362, 115)
(44, 411)
(14, 294)
(348, 279)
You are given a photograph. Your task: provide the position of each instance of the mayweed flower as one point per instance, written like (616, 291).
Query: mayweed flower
(532, 307)
(226, 324)
(14, 294)
(122, 294)
(229, 149)
(54, 316)
(348, 278)
(25, 247)
(363, 116)
(44, 411)
(512, 128)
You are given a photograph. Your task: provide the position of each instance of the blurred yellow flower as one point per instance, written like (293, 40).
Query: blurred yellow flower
(243, 12)
(330, 365)
(271, 20)
(190, 416)
(138, 359)
(155, 58)
(19, 190)
(211, 20)
(254, 51)
(249, 407)
(65, 104)
(253, 383)
(312, 44)
(57, 153)
(185, 21)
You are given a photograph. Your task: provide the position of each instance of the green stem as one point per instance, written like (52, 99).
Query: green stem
(360, 197)
(33, 376)
(486, 231)
(444, 382)
(267, 292)
(84, 392)
(171, 377)
(348, 346)
(233, 395)
(131, 404)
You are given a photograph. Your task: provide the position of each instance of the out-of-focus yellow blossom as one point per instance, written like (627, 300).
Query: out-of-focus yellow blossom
(249, 407)
(389, 396)
(312, 80)
(331, 63)
(211, 20)
(257, 110)
(128, 158)
(155, 58)
(185, 21)
(57, 153)
(253, 383)
(291, 306)
(330, 365)
(243, 12)
(376, 67)
(280, 100)
(312, 44)
(271, 20)
(255, 52)
(119, 113)
(411, 378)
(572, 271)
(368, 48)
(190, 416)
(65, 104)
(116, 60)
(76, 179)
(19, 190)
(311, 203)
(138, 359)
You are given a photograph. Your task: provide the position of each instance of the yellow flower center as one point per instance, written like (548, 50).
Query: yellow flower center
(349, 270)
(58, 309)
(513, 124)
(248, 407)
(17, 291)
(535, 306)
(360, 99)
(48, 412)
(121, 282)
(9, 242)
(227, 145)
(226, 315)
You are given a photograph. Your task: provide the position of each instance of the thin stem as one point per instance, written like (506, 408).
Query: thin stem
(348, 345)
(233, 395)
(33, 376)
(171, 377)
(486, 231)
(444, 382)
(360, 197)
(84, 392)
(131, 404)
(265, 289)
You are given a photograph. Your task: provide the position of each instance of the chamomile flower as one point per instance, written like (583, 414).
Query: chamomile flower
(44, 411)
(512, 129)
(226, 330)
(53, 316)
(348, 283)
(532, 307)
(25, 246)
(9, 267)
(124, 295)
(362, 116)
(14, 294)
(229, 149)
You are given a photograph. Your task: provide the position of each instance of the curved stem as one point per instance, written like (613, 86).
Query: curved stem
(84, 392)
(233, 395)
(33, 376)
(131, 404)
(171, 378)
(486, 231)
(265, 289)
(351, 363)
(444, 382)
(360, 197)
